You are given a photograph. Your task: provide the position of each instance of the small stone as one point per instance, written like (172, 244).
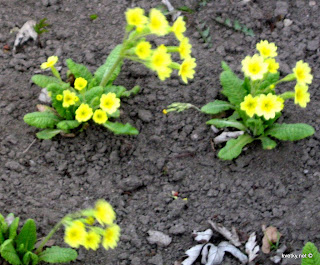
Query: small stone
(287, 22)
(177, 229)
(13, 165)
(130, 183)
(281, 8)
(159, 238)
(145, 115)
(312, 3)
(45, 2)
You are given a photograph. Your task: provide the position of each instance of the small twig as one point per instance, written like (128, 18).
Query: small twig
(29, 146)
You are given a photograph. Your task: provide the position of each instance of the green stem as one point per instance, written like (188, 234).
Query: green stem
(55, 72)
(107, 75)
(51, 233)
(287, 95)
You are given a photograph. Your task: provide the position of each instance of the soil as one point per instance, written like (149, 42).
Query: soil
(172, 152)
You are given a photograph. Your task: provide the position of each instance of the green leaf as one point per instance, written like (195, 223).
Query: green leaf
(290, 132)
(41, 120)
(216, 107)
(30, 257)
(68, 125)
(79, 70)
(13, 228)
(232, 87)
(234, 147)
(3, 225)
(255, 125)
(307, 249)
(115, 114)
(120, 128)
(58, 255)
(113, 56)
(269, 80)
(222, 123)
(9, 253)
(225, 66)
(48, 134)
(267, 143)
(1, 236)
(92, 93)
(132, 92)
(234, 116)
(118, 90)
(27, 235)
(44, 81)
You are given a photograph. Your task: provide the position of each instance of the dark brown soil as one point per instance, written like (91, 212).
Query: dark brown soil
(172, 152)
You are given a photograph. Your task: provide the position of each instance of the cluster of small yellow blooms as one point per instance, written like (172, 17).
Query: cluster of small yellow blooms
(84, 232)
(159, 59)
(109, 103)
(258, 67)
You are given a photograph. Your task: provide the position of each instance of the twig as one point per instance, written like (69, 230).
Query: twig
(29, 146)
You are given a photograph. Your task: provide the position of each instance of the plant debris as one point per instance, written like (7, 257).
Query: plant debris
(26, 33)
(252, 248)
(231, 236)
(271, 236)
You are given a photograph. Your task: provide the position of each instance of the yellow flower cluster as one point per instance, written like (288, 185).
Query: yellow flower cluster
(159, 59)
(302, 73)
(262, 105)
(82, 232)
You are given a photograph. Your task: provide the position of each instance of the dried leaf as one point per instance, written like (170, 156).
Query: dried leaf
(226, 136)
(202, 237)
(251, 247)
(44, 96)
(271, 235)
(231, 236)
(193, 253)
(26, 33)
(43, 108)
(227, 247)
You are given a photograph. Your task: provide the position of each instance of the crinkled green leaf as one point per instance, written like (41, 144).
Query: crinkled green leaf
(232, 87)
(58, 255)
(216, 107)
(3, 225)
(267, 143)
(234, 147)
(68, 125)
(44, 81)
(112, 58)
(79, 70)
(118, 90)
(30, 257)
(312, 255)
(9, 253)
(48, 134)
(1, 236)
(27, 235)
(290, 132)
(93, 93)
(41, 120)
(225, 66)
(222, 123)
(255, 125)
(269, 80)
(13, 228)
(120, 128)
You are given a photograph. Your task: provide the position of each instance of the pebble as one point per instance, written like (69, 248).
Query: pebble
(177, 229)
(131, 183)
(156, 260)
(13, 165)
(145, 115)
(287, 22)
(158, 238)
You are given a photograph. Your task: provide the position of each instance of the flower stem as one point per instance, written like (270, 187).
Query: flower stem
(55, 72)
(107, 75)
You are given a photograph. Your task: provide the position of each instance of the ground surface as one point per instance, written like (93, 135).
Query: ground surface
(171, 153)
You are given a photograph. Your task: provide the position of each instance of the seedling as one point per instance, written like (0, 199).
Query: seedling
(93, 17)
(235, 25)
(85, 96)
(40, 28)
(254, 104)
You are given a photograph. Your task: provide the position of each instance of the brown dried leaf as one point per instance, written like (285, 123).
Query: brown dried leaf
(271, 236)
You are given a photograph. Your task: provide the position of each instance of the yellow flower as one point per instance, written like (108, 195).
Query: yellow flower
(51, 61)
(158, 23)
(249, 105)
(302, 73)
(164, 111)
(269, 105)
(59, 97)
(92, 240)
(90, 220)
(143, 50)
(80, 83)
(136, 17)
(83, 113)
(273, 66)
(254, 67)
(267, 49)
(75, 234)
(164, 72)
(301, 95)
(111, 237)
(104, 212)
(184, 48)
(100, 116)
(160, 58)
(109, 103)
(178, 28)
(187, 69)
(69, 98)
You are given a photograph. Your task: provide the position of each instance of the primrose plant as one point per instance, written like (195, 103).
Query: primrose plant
(85, 96)
(87, 228)
(254, 103)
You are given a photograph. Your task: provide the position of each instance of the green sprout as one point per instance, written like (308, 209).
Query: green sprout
(40, 28)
